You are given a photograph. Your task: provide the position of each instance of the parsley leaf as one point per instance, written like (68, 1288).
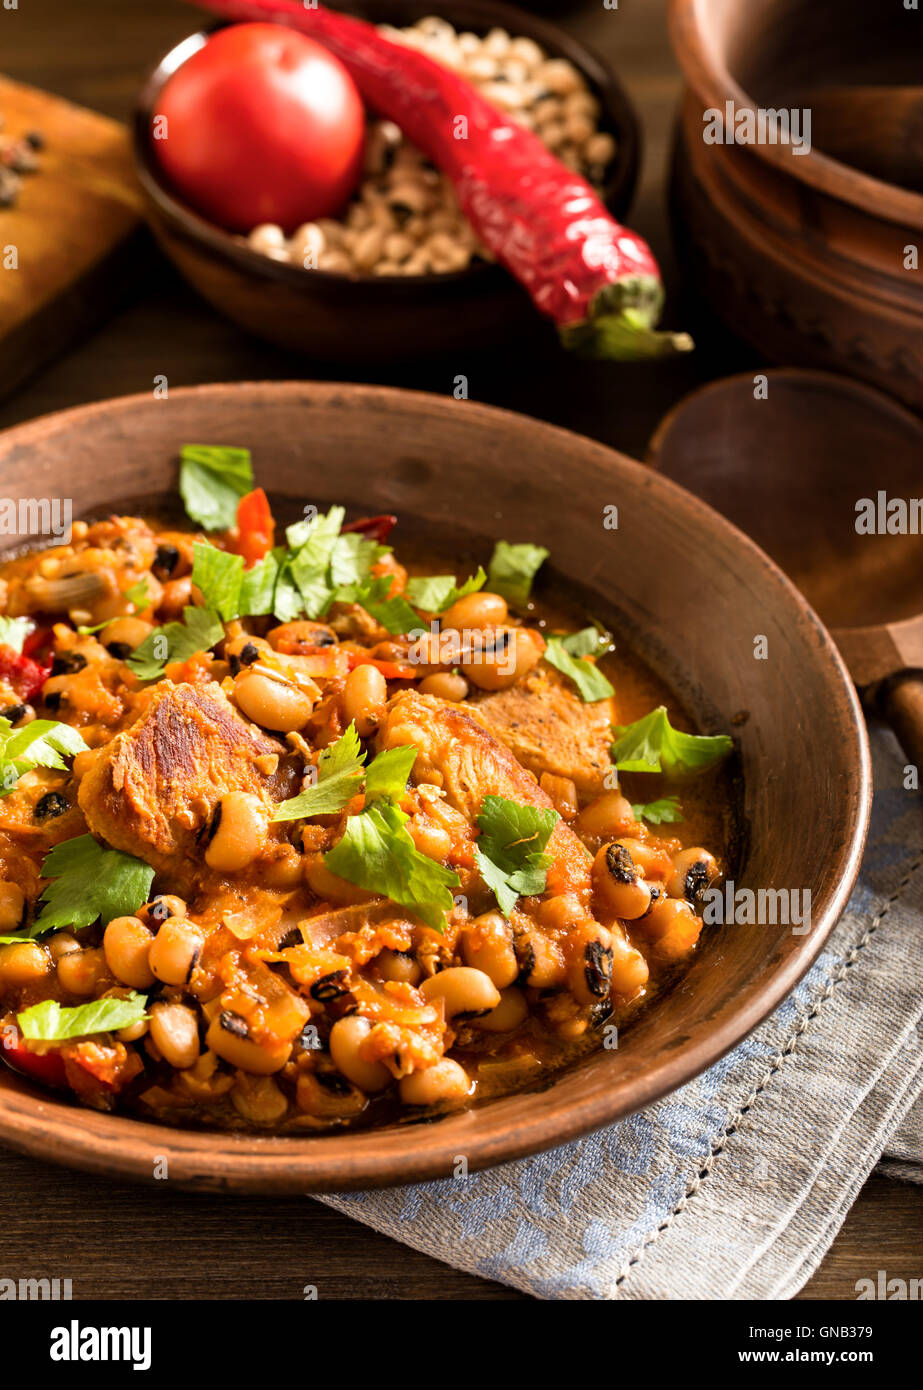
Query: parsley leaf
(339, 772)
(377, 853)
(212, 480)
(50, 1022)
(258, 585)
(657, 812)
(43, 743)
(651, 744)
(587, 677)
(313, 542)
(14, 631)
(387, 773)
(218, 575)
(512, 569)
(589, 641)
(198, 632)
(510, 850)
(138, 596)
(434, 593)
(90, 882)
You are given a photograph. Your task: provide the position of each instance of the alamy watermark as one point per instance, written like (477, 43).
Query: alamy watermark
(27, 517)
(748, 907)
(761, 125)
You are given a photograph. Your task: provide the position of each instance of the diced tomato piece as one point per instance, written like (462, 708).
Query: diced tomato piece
(25, 676)
(391, 670)
(324, 662)
(46, 1067)
(255, 527)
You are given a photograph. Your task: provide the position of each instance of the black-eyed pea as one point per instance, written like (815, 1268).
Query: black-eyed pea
(368, 247)
(497, 657)
(346, 1038)
(258, 1099)
(599, 149)
(693, 871)
(618, 887)
(673, 928)
(608, 817)
(541, 964)
(12, 906)
(62, 944)
(276, 704)
(463, 990)
(127, 945)
(509, 1013)
(239, 826)
(81, 972)
(589, 973)
(430, 839)
(398, 246)
(329, 1096)
(229, 1038)
(563, 794)
(399, 966)
(134, 1031)
(527, 51)
(487, 945)
(560, 76)
(364, 698)
(175, 950)
(629, 968)
(24, 963)
(174, 1030)
(443, 1083)
(269, 240)
(123, 635)
(445, 685)
(479, 611)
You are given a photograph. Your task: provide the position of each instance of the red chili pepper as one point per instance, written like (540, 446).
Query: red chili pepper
(255, 527)
(374, 528)
(598, 281)
(25, 676)
(46, 1067)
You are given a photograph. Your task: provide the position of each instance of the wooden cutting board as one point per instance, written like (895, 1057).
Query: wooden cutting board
(73, 225)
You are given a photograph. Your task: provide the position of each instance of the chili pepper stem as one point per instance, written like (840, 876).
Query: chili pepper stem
(619, 326)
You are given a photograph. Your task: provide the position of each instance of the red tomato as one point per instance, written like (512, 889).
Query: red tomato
(255, 527)
(47, 1067)
(262, 125)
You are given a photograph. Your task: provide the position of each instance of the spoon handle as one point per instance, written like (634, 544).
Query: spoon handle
(902, 707)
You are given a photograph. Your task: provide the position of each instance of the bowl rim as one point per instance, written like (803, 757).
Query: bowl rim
(34, 1122)
(617, 193)
(709, 77)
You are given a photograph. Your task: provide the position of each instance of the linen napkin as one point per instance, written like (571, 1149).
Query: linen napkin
(734, 1186)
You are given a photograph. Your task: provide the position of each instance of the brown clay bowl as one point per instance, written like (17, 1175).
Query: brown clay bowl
(351, 318)
(801, 254)
(682, 586)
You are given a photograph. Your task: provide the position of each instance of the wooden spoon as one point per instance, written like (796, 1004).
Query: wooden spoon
(876, 129)
(791, 470)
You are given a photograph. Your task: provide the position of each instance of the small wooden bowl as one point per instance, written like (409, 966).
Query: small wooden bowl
(353, 318)
(799, 254)
(679, 583)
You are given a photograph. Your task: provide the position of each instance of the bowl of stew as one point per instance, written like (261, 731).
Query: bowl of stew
(399, 272)
(332, 844)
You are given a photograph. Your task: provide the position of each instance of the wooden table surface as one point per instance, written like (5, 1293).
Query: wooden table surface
(122, 1241)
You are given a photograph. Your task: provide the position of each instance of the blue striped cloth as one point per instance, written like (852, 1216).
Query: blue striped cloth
(734, 1186)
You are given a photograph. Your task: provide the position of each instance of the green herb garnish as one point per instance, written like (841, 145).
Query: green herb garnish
(90, 882)
(667, 809)
(512, 569)
(510, 850)
(50, 1021)
(212, 480)
(199, 631)
(651, 744)
(43, 743)
(377, 853)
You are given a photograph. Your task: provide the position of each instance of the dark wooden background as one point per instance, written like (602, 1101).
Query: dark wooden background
(120, 1241)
